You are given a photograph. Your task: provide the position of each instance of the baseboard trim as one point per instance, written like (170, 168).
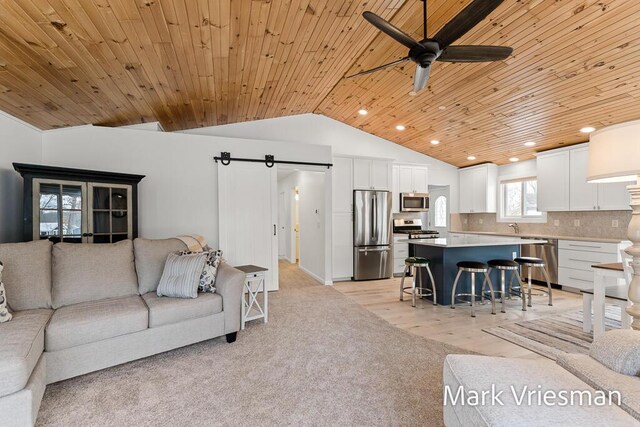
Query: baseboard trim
(313, 276)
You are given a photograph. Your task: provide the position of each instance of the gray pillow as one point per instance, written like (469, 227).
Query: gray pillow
(618, 350)
(181, 275)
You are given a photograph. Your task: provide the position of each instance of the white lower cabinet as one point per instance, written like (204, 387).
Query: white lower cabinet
(400, 253)
(342, 245)
(575, 258)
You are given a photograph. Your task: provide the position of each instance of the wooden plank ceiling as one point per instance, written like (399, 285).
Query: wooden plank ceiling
(193, 63)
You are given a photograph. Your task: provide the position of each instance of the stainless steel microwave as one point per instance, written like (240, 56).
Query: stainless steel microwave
(414, 202)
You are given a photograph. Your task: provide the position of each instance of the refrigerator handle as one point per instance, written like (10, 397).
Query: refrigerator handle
(374, 230)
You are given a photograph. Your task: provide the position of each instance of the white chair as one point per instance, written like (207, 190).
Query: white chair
(614, 295)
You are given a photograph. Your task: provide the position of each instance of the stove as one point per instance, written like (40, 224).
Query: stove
(413, 229)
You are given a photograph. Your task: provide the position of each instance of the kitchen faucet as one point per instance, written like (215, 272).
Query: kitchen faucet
(516, 227)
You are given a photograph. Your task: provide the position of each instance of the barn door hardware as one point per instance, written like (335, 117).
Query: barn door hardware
(269, 160)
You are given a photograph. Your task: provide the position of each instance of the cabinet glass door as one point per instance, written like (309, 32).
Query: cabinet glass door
(59, 207)
(110, 212)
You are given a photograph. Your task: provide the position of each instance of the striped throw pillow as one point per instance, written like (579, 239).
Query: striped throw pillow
(181, 275)
(5, 316)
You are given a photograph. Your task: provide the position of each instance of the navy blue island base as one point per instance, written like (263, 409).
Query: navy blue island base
(443, 266)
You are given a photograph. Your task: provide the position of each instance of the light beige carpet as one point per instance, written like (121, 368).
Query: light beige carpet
(321, 360)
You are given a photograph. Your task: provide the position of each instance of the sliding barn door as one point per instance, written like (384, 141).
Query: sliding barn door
(247, 198)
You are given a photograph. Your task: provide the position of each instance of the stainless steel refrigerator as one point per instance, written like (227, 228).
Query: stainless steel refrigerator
(372, 235)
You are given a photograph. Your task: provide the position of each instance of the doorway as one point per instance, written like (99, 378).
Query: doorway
(439, 207)
(304, 224)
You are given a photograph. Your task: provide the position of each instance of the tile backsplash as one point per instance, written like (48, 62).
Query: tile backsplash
(577, 224)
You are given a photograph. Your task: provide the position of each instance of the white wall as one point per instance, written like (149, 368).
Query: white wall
(343, 140)
(179, 193)
(312, 211)
(22, 143)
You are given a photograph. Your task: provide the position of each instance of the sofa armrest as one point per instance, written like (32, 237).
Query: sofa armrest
(229, 285)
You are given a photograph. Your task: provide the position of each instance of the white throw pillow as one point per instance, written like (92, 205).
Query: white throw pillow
(618, 350)
(5, 316)
(181, 275)
(210, 270)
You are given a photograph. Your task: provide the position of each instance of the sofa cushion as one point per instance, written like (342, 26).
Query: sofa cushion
(475, 374)
(93, 321)
(91, 272)
(21, 345)
(166, 310)
(618, 350)
(150, 258)
(27, 274)
(600, 377)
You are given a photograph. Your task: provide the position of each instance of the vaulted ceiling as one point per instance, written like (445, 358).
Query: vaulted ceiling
(193, 63)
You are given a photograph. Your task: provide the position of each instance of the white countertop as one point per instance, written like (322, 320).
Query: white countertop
(543, 236)
(473, 240)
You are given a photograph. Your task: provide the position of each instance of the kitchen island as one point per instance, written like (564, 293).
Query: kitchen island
(446, 252)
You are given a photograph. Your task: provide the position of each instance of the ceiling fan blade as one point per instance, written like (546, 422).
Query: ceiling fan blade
(475, 53)
(421, 77)
(381, 67)
(393, 32)
(470, 16)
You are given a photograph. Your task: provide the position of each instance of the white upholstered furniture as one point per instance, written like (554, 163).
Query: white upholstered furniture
(585, 375)
(79, 308)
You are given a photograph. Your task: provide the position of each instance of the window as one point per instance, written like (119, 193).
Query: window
(518, 200)
(440, 208)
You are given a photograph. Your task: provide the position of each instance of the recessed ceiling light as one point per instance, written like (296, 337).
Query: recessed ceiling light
(400, 127)
(442, 107)
(413, 93)
(513, 159)
(363, 112)
(471, 158)
(587, 129)
(529, 144)
(435, 142)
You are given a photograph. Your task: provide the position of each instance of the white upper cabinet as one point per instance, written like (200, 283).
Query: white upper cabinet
(361, 174)
(420, 180)
(342, 179)
(614, 197)
(478, 189)
(413, 179)
(381, 175)
(563, 186)
(405, 179)
(583, 196)
(371, 174)
(553, 181)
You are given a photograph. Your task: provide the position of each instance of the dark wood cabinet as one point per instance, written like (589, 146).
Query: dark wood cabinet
(77, 205)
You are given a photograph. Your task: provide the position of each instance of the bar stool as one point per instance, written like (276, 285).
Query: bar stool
(415, 265)
(504, 265)
(533, 262)
(472, 267)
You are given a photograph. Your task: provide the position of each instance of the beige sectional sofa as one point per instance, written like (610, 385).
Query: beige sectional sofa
(78, 308)
(582, 374)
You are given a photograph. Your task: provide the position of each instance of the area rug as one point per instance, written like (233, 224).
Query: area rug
(552, 336)
(321, 360)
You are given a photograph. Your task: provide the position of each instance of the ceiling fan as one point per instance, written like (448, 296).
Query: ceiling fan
(439, 48)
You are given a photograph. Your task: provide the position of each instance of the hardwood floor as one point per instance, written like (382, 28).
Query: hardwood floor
(455, 327)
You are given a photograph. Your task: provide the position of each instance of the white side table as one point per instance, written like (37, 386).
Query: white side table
(252, 307)
(603, 273)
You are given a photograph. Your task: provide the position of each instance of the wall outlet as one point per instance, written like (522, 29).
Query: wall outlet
(614, 223)
(576, 223)
(480, 221)
(556, 222)
(514, 255)
(465, 221)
